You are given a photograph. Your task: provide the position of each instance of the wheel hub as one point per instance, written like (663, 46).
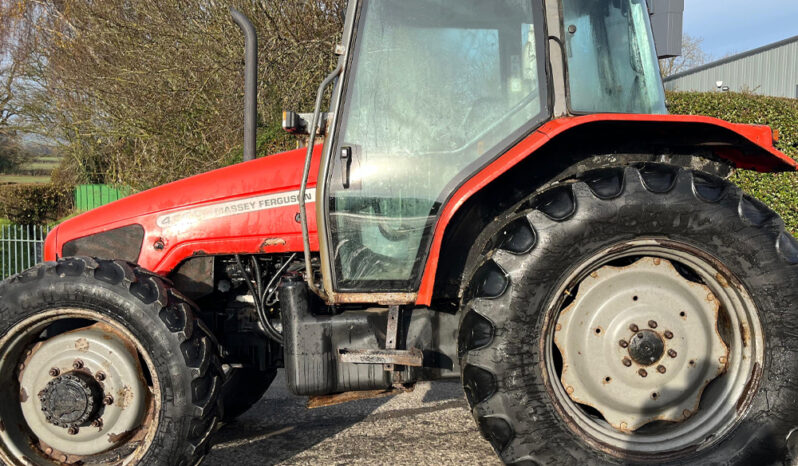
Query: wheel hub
(82, 392)
(640, 344)
(646, 348)
(71, 400)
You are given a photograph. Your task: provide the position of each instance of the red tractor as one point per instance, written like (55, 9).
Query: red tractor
(501, 196)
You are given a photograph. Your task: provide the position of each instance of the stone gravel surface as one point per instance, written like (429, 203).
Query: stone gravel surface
(428, 426)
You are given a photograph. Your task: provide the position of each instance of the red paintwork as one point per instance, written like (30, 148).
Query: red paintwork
(760, 135)
(243, 233)
(248, 233)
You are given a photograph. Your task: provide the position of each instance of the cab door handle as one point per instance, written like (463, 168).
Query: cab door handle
(346, 165)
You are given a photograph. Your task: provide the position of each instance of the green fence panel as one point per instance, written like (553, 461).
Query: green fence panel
(91, 196)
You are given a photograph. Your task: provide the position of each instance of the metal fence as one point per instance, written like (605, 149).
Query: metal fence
(21, 247)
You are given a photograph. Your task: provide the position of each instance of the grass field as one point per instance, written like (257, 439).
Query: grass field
(36, 170)
(22, 179)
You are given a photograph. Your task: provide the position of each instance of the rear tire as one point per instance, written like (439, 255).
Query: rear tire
(177, 361)
(526, 258)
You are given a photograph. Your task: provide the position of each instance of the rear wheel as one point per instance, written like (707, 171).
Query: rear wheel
(103, 363)
(639, 314)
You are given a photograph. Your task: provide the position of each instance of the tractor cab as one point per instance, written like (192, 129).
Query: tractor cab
(429, 92)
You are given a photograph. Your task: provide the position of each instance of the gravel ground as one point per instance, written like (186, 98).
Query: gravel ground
(429, 426)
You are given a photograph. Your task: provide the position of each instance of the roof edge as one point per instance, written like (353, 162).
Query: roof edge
(730, 59)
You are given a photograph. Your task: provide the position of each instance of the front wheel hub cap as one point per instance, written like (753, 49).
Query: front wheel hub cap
(71, 400)
(640, 344)
(67, 412)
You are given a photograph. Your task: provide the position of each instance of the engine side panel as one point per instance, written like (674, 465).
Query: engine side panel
(248, 208)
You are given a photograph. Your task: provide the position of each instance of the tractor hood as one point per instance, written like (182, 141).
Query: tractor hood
(248, 208)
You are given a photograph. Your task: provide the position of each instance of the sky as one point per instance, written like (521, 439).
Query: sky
(734, 26)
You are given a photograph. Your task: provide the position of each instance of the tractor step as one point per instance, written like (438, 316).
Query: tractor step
(412, 357)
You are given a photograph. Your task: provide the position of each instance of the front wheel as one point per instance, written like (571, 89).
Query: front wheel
(637, 314)
(102, 362)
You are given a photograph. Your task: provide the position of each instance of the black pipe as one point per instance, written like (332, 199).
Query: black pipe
(250, 84)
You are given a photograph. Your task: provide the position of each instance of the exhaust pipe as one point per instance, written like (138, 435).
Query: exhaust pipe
(250, 83)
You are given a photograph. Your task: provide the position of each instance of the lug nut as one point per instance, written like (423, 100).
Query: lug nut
(627, 362)
(661, 369)
(108, 400)
(54, 372)
(668, 334)
(672, 353)
(643, 373)
(623, 344)
(97, 423)
(634, 328)
(73, 431)
(78, 364)
(100, 376)
(652, 323)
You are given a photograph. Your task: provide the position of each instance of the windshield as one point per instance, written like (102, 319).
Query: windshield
(612, 62)
(436, 89)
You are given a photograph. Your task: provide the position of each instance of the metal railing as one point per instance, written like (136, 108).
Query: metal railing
(21, 247)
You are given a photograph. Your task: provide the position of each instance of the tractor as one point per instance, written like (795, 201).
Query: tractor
(494, 191)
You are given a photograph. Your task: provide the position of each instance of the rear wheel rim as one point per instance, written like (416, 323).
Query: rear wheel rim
(722, 404)
(95, 396)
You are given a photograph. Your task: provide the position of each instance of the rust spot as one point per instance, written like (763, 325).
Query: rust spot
(117, 438)
(82, 345)
(570, 390)
(332, 400)
(686, 413)
(268, 242)
(723, 360)
(384, 299)
(745, 332)
(594, 275)
(657, 261)
(124, 398)
(710, 298)
(721, 280)
(559, 327)
(23, 395)
(750, 389)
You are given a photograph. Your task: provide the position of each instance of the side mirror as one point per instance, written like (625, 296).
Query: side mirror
(667, 23)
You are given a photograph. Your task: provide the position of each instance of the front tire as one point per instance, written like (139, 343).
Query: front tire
(532, 266)
(103, 362)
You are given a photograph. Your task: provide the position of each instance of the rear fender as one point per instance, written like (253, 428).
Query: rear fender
(564, 143)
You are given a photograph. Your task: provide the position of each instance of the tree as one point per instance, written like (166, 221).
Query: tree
(143, 92)
(9, 154)
(693, 55)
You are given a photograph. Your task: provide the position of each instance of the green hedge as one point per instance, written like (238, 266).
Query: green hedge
(34, 204)
(780, 191)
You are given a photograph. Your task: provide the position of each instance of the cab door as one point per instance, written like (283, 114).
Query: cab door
(435, 90)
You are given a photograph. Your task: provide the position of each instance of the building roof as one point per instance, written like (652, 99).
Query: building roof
(732, 58)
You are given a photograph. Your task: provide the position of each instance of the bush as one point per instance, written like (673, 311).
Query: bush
(34, 204)
(779, 191)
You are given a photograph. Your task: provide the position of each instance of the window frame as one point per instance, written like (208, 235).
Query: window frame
(341, 107)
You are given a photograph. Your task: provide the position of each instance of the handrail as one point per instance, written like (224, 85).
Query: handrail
(303, 214)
